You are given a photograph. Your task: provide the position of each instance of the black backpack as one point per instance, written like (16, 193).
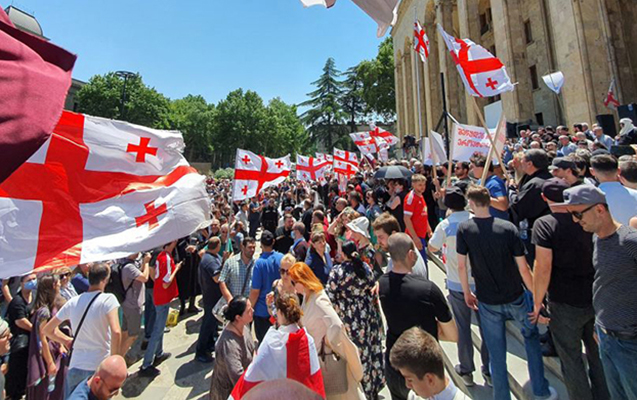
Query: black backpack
(115, 283)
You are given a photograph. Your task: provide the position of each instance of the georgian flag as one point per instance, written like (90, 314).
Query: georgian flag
(310, 169)
(382, 137)
(421, 42)
(483, 74)
(324, 157)
(365, 143)
(253, 173)
(611, 101)
(96, 190)
(283, 354)
(345, 163)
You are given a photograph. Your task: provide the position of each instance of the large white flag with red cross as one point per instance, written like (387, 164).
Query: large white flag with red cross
(345, 163)
(283, 354)
(365, 143)
(98, 189)
(252, 173)
(421, 42)
(311, 169)
(324, 157)
(483, 74)
(386, 138)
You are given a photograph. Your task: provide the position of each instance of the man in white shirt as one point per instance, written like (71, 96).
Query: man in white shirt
(444, 238)
(100, 333)
(622, 201)
(418, 357)
(384, 226)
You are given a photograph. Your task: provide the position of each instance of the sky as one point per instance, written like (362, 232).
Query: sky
(209, 47)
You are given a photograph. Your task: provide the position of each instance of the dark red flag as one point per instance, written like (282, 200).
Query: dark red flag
(35, 76)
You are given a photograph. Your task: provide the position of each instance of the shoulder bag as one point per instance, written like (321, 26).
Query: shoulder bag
(220, 307)
(334, 371)
(79, 327)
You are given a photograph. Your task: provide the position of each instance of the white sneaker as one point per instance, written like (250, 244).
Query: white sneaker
(467, 379)
(552, 396)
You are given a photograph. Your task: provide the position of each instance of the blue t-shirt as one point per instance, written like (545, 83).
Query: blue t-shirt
(497, 188)
(266, 271)
(82, 392)
(80, 283)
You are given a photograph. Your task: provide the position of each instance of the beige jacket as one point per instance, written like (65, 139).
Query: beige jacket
(320, 320)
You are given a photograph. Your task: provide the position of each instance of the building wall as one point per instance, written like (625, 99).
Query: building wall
(590, 41)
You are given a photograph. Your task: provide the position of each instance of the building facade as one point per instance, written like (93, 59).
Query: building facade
(590, 41)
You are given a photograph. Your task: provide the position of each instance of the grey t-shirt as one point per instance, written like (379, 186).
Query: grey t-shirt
(135, 296)
(614, 296)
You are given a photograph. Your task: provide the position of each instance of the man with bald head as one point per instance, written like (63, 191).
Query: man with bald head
(105, 383)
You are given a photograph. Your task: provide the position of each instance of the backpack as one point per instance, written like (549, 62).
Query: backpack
(115, 283)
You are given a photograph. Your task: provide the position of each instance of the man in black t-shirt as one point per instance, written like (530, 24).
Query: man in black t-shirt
(409, 300)
(499, 267)
(564, 267)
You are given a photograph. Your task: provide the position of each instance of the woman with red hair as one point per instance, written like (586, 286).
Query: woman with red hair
(323, 324)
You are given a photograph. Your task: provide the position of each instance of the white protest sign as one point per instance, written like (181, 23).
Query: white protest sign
(468, 140)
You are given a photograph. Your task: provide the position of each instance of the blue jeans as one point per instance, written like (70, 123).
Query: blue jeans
(423, 253)
(149, 314)
(462, 314)
(74, 377)
(493, 319)
(619, 358)
(156, 344)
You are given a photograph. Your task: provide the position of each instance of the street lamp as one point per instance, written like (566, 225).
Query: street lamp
(126, 75)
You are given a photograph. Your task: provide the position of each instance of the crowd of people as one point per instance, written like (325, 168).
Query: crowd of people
(548, 238)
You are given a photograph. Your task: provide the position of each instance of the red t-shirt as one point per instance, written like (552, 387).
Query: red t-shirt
(416, 208)
(163, 270)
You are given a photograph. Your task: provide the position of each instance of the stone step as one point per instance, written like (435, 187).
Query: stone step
(519, 380)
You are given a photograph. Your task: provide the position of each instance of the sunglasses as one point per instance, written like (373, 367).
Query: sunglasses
(62, 276)
(283, 271)
(580, 214)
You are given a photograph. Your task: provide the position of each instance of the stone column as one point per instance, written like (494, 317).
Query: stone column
(508, 30)
(406, 96)
(468, 10)
(399, 92)
(453, 83)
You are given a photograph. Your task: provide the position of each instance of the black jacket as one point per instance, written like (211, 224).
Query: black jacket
(528, 203)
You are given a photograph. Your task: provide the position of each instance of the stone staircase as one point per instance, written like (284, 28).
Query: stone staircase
(519, 380)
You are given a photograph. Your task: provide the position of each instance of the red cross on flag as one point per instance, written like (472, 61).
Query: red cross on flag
(324, 157)
(252, 173)
(345, 163)
(421, 42)
(387, 138)
(483, 74)
(311, 169)
(365, 143)
(97, 190)
(611, 101)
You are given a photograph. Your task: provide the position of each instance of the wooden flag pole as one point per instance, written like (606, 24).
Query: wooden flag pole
(487, 164)
(484, 124)
(449, 167)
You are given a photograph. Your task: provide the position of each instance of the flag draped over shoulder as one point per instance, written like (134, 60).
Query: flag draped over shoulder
(253, 173)
(98, 189)
(283, 354)
(35, 76)
(483, 74)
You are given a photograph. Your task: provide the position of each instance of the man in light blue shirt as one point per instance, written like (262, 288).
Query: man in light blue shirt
(622, 201)
(567, 147)
(602, 138)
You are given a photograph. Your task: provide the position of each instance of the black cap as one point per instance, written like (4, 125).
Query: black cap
(267, 238)
(562, 163)
(553, 189)
(454, 198)
(599, 152)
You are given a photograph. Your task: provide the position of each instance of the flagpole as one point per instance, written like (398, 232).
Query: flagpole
(484, 124)
(487, 164)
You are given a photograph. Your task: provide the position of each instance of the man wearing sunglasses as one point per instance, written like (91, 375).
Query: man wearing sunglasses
(614, 295)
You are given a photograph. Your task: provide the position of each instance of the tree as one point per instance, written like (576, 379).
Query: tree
(102, 97)
(377, 75)
(284, 129)
(325, 117)
(195, 119)
(352, 98)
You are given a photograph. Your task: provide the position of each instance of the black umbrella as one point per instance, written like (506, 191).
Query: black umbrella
(393, 172)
